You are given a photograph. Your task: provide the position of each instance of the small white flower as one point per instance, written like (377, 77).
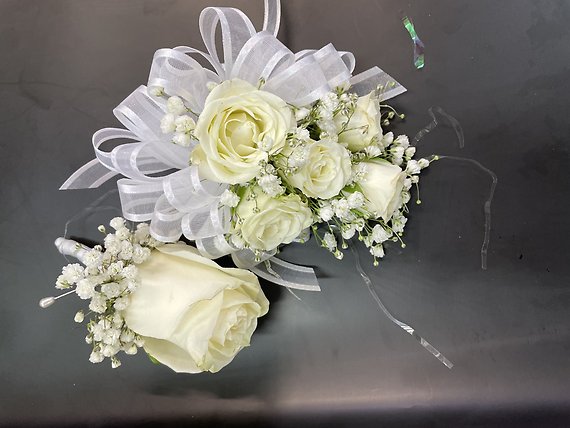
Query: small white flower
(140, 254)
(130, 284)
(415, 179)
(111, 289)
(176, 106)
(410, 152)
(211, 85)
(397, 154)
(115, 362)
(359, 224)
(379, 234)
(341, 208)
(112, 244)
(61, 283)
(123, 233)
(117, 223)
(79, 317)
(182, 139)
(373, 151)
(229, 199)
(85, 289)
(349, 232)
(266, 144)
(142, 233)
(402, 141)
(302, 134)
(115, 268)
(121, 303)
(139, 341)
(301, 113)
(131, 349)
(72, 273)
(93, 259)
(330, 101)
(270, 184)
(185, 124)
(355, 200)
(387, 139)
(358, 172)
(423, 163)
(168, 123)
(126, 250)
(127, 336)
(326, 212)
(329, 241)
(377, 251)
(398, 223)
(406, 197)
(110, 350)
(129, 272)
(407, 184)
(97, 330)
(299, 156)
(413, 167)
(96, 357)
(98, 303)
(118, 320)
(111, 336)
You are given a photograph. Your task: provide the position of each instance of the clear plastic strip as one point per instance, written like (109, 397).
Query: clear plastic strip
(407, 328)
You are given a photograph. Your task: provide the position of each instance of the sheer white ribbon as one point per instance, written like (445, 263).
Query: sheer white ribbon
(159, 186)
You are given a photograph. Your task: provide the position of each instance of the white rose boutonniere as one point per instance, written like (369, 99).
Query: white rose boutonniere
(363, 127)
(265, 222)
(193, 315)
(239, 127)
(326, 171)
(382, 186)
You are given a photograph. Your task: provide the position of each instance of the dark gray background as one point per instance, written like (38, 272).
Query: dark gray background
(501, 68)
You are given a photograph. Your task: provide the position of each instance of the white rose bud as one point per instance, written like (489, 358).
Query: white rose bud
(382, 186)
(269, 222)
(327, 170)
(364, 125)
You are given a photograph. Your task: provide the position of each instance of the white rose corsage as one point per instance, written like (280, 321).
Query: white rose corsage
(261, 148)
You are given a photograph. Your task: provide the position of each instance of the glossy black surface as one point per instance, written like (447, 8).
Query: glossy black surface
(332, 359)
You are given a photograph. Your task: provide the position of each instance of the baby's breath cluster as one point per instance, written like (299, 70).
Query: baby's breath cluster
(178, 121)
(108, 278)
(339, 173)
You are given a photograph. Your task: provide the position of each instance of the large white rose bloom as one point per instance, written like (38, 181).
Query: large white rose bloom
(326, 171)
(239, 126)
(382, 186)
(364, 125)
(194, 315)
(267, 222)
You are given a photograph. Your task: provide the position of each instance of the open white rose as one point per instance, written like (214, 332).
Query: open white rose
(382, 186)
(364, 125)
(268, 222)
(326, 171)
(238, 127)
(194, 315)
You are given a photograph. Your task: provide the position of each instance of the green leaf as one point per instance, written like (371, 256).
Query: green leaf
(153, 360)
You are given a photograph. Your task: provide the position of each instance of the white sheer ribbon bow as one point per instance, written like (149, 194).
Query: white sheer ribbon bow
(159, 185)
